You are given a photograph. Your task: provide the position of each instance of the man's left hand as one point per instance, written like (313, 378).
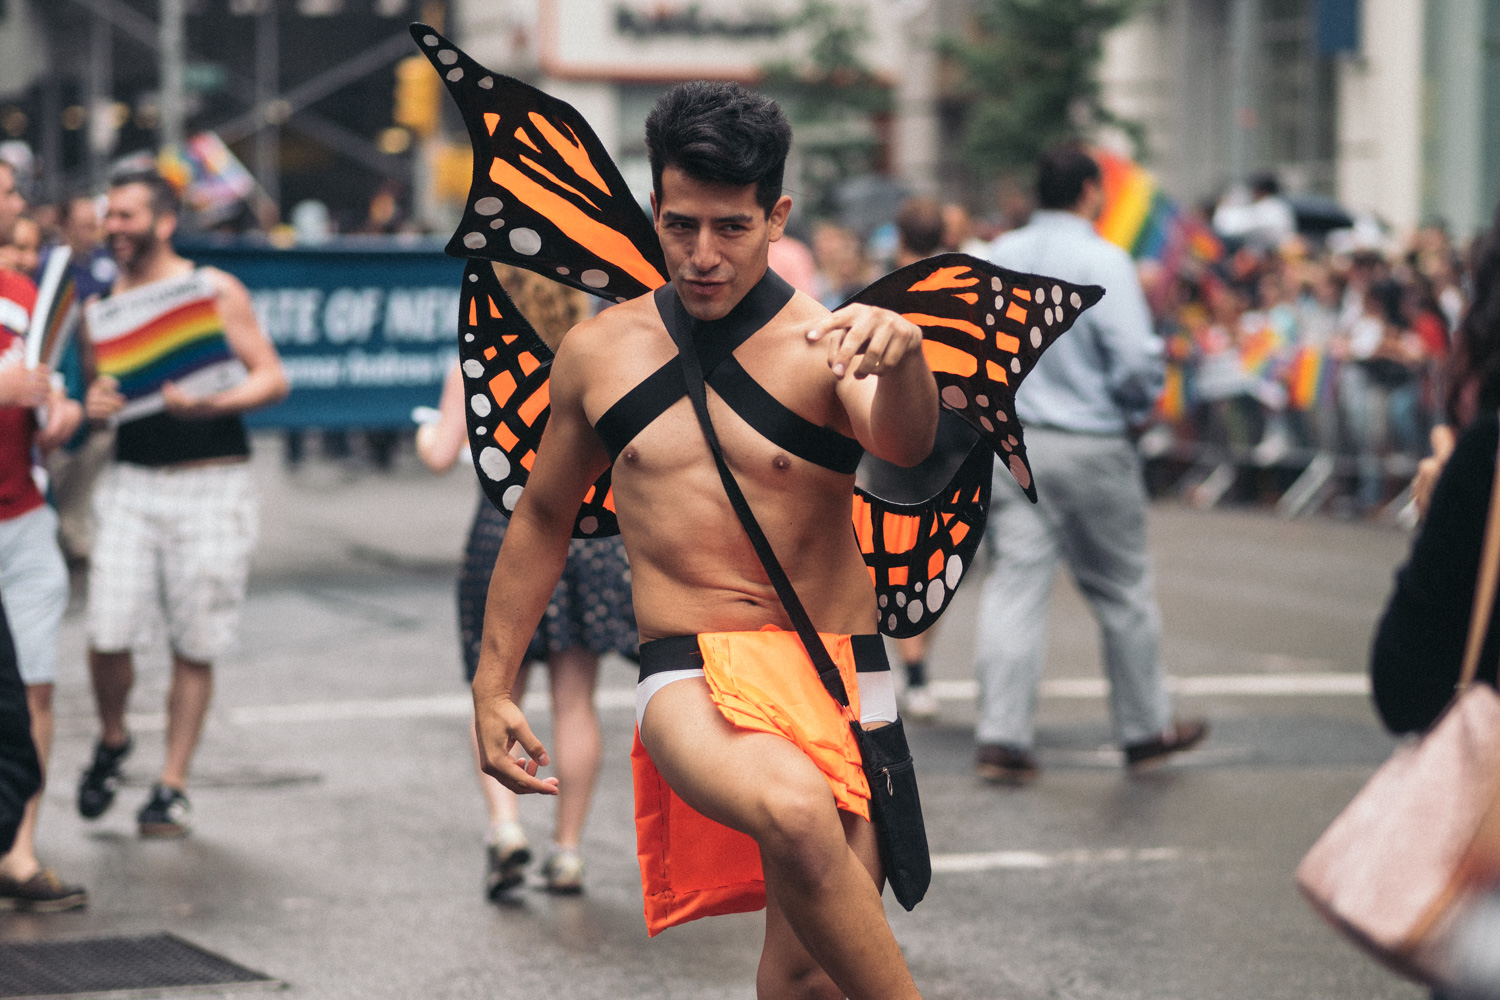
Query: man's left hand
(880, 339)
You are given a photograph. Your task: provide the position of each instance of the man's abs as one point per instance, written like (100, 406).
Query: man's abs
(692, 566)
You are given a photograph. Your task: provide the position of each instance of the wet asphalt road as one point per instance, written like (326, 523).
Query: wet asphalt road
(337, 839)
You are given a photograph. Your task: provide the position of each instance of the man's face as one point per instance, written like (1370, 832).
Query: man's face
(26, 243)
(132, 230)
(81, 227)
(715, 238)
(11, 203)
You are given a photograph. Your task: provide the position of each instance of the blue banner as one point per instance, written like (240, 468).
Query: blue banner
(366, 329)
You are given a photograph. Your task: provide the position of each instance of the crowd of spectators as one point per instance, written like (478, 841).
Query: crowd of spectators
(1282, 346)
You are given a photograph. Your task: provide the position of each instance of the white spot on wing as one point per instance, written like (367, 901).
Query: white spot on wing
(473, 368)
(526, 241)
(914, 611)
(1036, 336)
(594, 278)
(935, 596)
(475, 241)
(447, 57)
(589, 525)
(487, 83)
(493, 463)
(480, 404)
(455, 75)
(955, 571)
(489, 205)
(510, 497)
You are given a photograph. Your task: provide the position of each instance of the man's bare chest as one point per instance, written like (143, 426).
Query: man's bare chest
(771, 400)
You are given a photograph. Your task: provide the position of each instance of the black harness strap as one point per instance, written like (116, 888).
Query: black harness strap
(681, 327)
(716, 341)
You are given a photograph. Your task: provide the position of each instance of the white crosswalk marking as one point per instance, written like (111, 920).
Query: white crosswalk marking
(613, 699)
(949, 864)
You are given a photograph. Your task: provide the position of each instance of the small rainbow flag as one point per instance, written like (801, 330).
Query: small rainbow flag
(167, 331)
(1172, 404)
(1307, 378)
(56, 314)
(1258, 351)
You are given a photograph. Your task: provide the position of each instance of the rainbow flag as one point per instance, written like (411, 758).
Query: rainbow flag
(1139, 218)
(1307, 378)
(167, 331)
(1131, 198)
(209, 176)
(1258, 351)
(56, 315)
(1172, 404)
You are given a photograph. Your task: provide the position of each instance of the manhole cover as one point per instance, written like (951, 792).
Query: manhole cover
(115, 966)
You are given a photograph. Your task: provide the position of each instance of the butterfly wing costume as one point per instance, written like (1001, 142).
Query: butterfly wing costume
(546, 196)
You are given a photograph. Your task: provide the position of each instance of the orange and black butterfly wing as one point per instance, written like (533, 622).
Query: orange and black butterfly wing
(917, 553)
(545, 195)
(505, 366)
(983, 329)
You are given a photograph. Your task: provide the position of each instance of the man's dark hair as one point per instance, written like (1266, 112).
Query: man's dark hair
(720, 133)
(164, 200)
(920, 224)
(1061, 174)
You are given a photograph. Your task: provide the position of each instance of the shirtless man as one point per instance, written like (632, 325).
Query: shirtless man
(717, 154)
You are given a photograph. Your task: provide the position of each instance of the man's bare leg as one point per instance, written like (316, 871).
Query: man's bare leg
(21, 862)
(113, 675)
(187, 707)
(765, 787)
(786, 969)
(575, 739)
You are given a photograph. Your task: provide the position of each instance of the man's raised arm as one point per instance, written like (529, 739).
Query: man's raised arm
(894, 415)
(531, 560)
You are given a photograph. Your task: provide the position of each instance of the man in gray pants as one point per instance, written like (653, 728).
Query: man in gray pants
(1078, 405)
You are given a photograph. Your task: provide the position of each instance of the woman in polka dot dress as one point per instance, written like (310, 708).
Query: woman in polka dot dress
(590, 614)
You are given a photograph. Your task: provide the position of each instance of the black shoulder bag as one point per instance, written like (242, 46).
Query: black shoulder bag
(895, 807)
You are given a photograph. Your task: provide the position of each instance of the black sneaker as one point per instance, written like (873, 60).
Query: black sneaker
(101, 779)
(165, 814)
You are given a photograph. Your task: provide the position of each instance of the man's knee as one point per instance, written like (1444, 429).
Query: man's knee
(799, 826)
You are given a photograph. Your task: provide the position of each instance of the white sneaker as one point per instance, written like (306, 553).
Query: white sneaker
(921, 704)
(564, 872)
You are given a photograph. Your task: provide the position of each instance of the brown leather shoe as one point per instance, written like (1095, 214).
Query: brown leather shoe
(1005, 765)
(44, 892)
(1180, 736)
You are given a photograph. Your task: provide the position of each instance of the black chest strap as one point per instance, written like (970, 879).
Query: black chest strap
(716, 341)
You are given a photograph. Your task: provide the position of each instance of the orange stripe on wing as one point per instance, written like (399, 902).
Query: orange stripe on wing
(572, 152)
(606, 243)
(942, 358)
(557, 180)
(945, 277)
(521, 135)
(922, 319)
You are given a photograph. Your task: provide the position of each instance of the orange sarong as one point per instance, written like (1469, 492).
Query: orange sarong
(762, 681)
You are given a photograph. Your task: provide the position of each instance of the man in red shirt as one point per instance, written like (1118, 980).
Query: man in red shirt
(35, 415)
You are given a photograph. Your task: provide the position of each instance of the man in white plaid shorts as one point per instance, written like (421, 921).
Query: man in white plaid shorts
(175, 517)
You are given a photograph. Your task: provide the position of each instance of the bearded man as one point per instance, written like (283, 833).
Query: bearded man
(175, 516)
